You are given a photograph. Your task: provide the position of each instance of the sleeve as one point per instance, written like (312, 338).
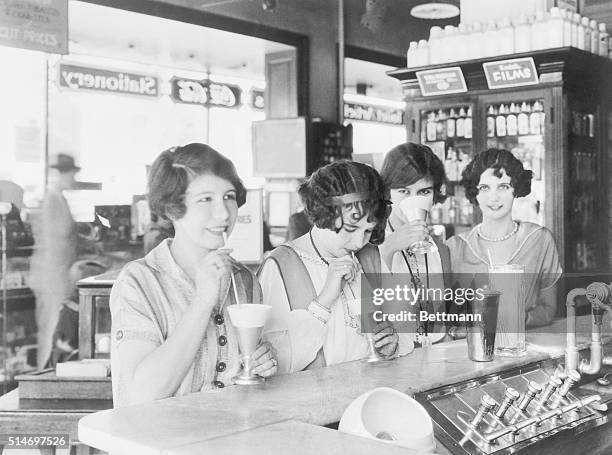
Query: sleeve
(296, 334)
(550, 267)
(132, 316)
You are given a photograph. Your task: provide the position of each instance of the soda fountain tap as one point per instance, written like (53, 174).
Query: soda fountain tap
(486, 405)
(552, 386)
(510, 396)
(533, 388)
(572, 378)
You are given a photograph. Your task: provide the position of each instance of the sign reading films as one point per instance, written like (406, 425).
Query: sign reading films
(78, 77)
(40, 25)
(368, 113)
(205, 93)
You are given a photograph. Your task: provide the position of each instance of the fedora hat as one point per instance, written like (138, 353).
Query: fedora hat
(64, 163)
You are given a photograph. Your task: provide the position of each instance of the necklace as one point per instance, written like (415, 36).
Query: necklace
(314, 247)
(498, 239)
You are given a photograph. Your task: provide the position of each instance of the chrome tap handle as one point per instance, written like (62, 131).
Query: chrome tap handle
(572, 378)
(552, 386)
(486, 405)
(533, 388)
(510, 397)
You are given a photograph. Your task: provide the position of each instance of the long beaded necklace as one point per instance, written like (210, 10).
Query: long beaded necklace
(350, 319)
(498, 239)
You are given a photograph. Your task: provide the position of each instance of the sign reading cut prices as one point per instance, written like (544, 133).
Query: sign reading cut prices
(511, 73)
(441, 81)
(40, 25)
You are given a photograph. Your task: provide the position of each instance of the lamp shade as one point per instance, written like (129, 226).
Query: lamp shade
(435, 10)
(390, 416)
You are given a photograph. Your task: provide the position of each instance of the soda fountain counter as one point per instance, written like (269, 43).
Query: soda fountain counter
(526, 404)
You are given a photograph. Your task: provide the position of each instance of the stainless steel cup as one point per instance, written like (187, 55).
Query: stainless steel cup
(481, 330)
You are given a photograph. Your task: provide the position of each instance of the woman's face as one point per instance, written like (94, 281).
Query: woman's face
(423, 187)
(211, 210)
(353, 236)
(495, 195)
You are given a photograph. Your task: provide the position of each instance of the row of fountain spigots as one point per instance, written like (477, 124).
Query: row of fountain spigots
(551, 403)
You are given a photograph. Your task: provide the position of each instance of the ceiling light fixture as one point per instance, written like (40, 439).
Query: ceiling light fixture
(435, 10)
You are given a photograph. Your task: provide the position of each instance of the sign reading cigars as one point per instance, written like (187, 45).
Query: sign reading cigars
(40, 25)
(205, 93)
(365, 112)
(441, 81)
(101, 80)
(511, 73)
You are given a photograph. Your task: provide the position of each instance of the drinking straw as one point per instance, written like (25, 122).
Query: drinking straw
(490, 257)
(354, 260)
(232, 273)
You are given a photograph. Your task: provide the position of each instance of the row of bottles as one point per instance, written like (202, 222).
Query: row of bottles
(585, 256)
(583, 124)
(454, 210)
(454, 164)
(557, 28)
(585, 166)
(516, 119)
(449, 123)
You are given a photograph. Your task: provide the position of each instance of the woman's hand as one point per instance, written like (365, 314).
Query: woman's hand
(386, 339)
(212, 273)
(406, 234)
(340, 270)
(263, 360)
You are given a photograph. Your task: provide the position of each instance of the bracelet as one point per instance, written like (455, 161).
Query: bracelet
(319, 312)
(324, 308)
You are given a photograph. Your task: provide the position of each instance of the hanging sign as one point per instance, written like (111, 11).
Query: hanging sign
(205, 93)
(441, 81)
(40, 25)
(511, 73)
(102, 80)
(368, 113)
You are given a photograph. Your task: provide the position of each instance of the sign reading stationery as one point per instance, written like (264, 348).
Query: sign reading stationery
(441, 81)
(511, 73)
(101, 80)
(40, 25)
(205, 93)
(365, 112)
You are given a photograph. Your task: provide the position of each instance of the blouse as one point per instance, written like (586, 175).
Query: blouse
(147, 302)
(534, 248)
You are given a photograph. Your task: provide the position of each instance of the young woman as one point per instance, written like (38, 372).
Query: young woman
(492, 181)
(413, 171)
(170, 330)
(313, 282)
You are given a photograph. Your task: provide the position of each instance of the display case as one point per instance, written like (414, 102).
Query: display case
(559, 126)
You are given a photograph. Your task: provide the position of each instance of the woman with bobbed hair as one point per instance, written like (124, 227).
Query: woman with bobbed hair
(413, 173)
(313, 282)
(492, 181)
(170, 334)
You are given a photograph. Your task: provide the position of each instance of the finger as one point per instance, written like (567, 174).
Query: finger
(267, 368)
(388, 340)
(262, 349)
(380, 335)
(382, 326)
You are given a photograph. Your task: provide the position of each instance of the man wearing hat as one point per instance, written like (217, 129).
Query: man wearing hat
(55, 256)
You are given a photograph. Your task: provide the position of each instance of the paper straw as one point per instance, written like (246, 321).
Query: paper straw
(232, 273)
(490, 257)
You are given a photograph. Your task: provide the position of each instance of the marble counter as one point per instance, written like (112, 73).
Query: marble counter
(228, 416)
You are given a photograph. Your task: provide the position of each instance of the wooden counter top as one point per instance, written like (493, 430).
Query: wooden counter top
(316, 397)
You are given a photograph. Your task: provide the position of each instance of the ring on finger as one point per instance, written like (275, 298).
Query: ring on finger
(274, 362)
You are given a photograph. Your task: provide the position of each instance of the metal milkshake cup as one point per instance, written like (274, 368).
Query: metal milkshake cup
(482, 329)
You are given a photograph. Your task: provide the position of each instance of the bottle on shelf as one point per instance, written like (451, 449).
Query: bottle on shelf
(423, 53)
(523, 119)
(505, 35)
(460, 124)
(594, 36)
(500, 121)
(451, 123)
(555, 28)
(467, 126)
(586, 25)
(575, 23)
(538, 32)
(491, 44)
(462, 42)
(431, 127)
(581, 32)
(440, 125)
(435, 48)
(491, 121)
(452, 210)
(512, 121)
(449, 44)
(522, 35)
(535, 119)
(603, 40)
(412, 55)
(476, 41)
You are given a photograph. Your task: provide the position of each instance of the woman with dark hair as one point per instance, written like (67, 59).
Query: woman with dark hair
(415, 175)
(169, 331)
(313, 283)
(492, 181)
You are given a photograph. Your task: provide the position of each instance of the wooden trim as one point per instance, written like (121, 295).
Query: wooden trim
(369, 55)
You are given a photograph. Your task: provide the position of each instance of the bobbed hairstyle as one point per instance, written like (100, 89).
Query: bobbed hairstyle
(408, 163)
(496, 159)
(175, 168)
(322, 195)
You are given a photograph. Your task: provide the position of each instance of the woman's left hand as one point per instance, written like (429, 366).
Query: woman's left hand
(386, 339)
(264, 361)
